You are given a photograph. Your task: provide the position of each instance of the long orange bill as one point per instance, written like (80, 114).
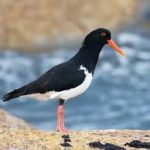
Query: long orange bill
(113, 45)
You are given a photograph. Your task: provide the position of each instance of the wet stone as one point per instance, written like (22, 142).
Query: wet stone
(65, 136)
(96, 144)
(65, 144)
(107, 146)
(66, 139)
(138, 144)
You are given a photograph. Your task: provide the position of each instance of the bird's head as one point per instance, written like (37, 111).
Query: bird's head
(100, 37)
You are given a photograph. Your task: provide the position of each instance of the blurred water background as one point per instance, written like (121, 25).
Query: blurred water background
(118, 97)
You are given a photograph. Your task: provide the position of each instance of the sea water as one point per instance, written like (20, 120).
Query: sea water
(118, 98)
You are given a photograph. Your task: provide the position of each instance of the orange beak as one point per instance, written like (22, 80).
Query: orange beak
(113, 45)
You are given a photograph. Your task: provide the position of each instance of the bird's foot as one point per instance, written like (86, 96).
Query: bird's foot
(64, 130)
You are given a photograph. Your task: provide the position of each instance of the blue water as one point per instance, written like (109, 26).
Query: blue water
(117, 99)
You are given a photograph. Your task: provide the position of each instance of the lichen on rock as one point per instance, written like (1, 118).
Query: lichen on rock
(37, 140)
(18, 135)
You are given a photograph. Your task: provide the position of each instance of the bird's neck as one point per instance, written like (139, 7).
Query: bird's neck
(88, 57)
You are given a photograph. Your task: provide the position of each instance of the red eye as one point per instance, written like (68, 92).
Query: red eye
(103, 34)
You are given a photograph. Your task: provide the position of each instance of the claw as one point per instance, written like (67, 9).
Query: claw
(63, 130)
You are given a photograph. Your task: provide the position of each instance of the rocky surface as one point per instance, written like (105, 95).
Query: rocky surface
(9, 121)
(32, 139)
(16, 134)
(27, 23)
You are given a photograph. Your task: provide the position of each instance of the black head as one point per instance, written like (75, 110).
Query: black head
(98, 37)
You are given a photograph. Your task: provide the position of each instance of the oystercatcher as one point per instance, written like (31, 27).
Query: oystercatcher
(71, 78)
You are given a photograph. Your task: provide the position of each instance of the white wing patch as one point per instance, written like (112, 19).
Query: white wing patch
(84, 69)
(67, 94)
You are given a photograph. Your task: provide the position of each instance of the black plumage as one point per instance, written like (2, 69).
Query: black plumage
(61, 77)
(68, 74)
(71, 78)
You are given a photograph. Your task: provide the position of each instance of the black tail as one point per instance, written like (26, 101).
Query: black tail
(30, 88)
(25, 90)
(14, 94)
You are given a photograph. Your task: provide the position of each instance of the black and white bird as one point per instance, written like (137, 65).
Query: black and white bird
(71, 78)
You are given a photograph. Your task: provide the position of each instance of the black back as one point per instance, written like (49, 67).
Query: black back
(61, 77)
(67, 75)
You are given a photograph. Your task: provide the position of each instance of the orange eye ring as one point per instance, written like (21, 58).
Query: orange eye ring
(103, 34)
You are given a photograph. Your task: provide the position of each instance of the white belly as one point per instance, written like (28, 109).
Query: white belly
(67, 94)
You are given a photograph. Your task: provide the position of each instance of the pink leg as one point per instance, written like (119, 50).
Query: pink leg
(60, 117)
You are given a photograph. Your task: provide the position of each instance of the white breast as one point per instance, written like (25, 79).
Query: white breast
(67, 94)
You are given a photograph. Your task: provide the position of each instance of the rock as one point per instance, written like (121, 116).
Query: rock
(16, 134)
(33, 139)
(40, 22)
(9, 121)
